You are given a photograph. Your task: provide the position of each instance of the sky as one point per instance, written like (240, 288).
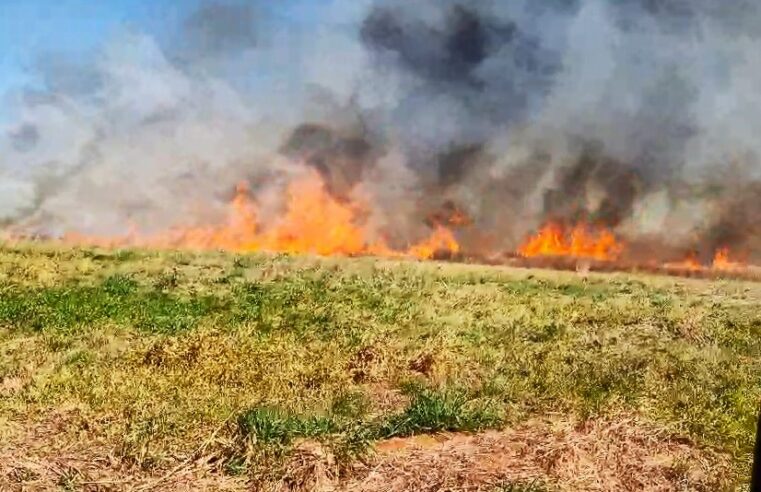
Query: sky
(74, 28)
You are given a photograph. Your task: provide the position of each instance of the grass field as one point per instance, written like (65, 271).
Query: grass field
(136, 370)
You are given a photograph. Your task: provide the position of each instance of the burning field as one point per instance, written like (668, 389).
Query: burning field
(313, 221)
(619, 134)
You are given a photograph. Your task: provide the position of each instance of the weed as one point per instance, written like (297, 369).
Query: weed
(436, 411)
(533, 486)
(350, 404)
(271, 426)
(126, 255)
(68, 481)
(119, 285)
(167, 281)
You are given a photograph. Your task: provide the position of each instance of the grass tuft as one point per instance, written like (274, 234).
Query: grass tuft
(271, 426)
(533, 486)
(349, 429)
(437, 411)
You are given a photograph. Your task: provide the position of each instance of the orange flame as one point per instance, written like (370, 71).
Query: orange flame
(722, 261)
(690, 263)
(583, 241)
(442, 239)
(314, 222)
(317, 223)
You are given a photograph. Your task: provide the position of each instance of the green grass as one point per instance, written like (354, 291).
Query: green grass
(151, 353)
(431, 411)
(270, 426)
(522, 487)
(428, 411)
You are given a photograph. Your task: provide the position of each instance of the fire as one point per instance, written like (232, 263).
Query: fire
(316, 223)
(313, 222)
(582, 241)
(442, 239)
(690, 263)
(722, 261)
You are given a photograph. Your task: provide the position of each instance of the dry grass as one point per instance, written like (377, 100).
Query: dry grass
(45, 455)
(136, 370)
(621, 454)
(612, 454)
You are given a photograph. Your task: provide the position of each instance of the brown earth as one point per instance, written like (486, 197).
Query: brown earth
(621, 454)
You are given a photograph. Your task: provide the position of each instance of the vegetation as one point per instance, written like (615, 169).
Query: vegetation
(157, 355)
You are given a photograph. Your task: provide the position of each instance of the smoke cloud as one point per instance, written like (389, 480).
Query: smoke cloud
(642, 115)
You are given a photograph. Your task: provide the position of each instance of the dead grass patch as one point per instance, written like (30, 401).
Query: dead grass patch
(612, 454)
(621, 454)
(45, 456)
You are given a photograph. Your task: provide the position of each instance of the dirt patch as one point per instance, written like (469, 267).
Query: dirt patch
(621, 454)
(600, 455)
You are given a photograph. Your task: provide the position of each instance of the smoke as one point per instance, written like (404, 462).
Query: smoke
(217, 30)
(642, 115)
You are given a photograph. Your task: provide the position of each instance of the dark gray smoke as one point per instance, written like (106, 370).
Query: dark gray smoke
(217, 29)
(341, 160)
(642, 115)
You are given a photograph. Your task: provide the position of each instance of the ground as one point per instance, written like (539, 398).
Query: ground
(133, 370)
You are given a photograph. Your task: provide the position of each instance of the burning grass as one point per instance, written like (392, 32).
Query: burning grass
(312, 221)
(154, 367)
(582, 241)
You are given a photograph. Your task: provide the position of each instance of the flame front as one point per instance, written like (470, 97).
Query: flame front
(442, 239)
(314, 222)
(722, 261)
(690, 263)
(582, 241)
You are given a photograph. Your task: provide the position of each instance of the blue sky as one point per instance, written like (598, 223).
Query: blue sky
(29, 28)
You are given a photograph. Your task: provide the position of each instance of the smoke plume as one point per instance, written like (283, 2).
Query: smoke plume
(642, 115)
